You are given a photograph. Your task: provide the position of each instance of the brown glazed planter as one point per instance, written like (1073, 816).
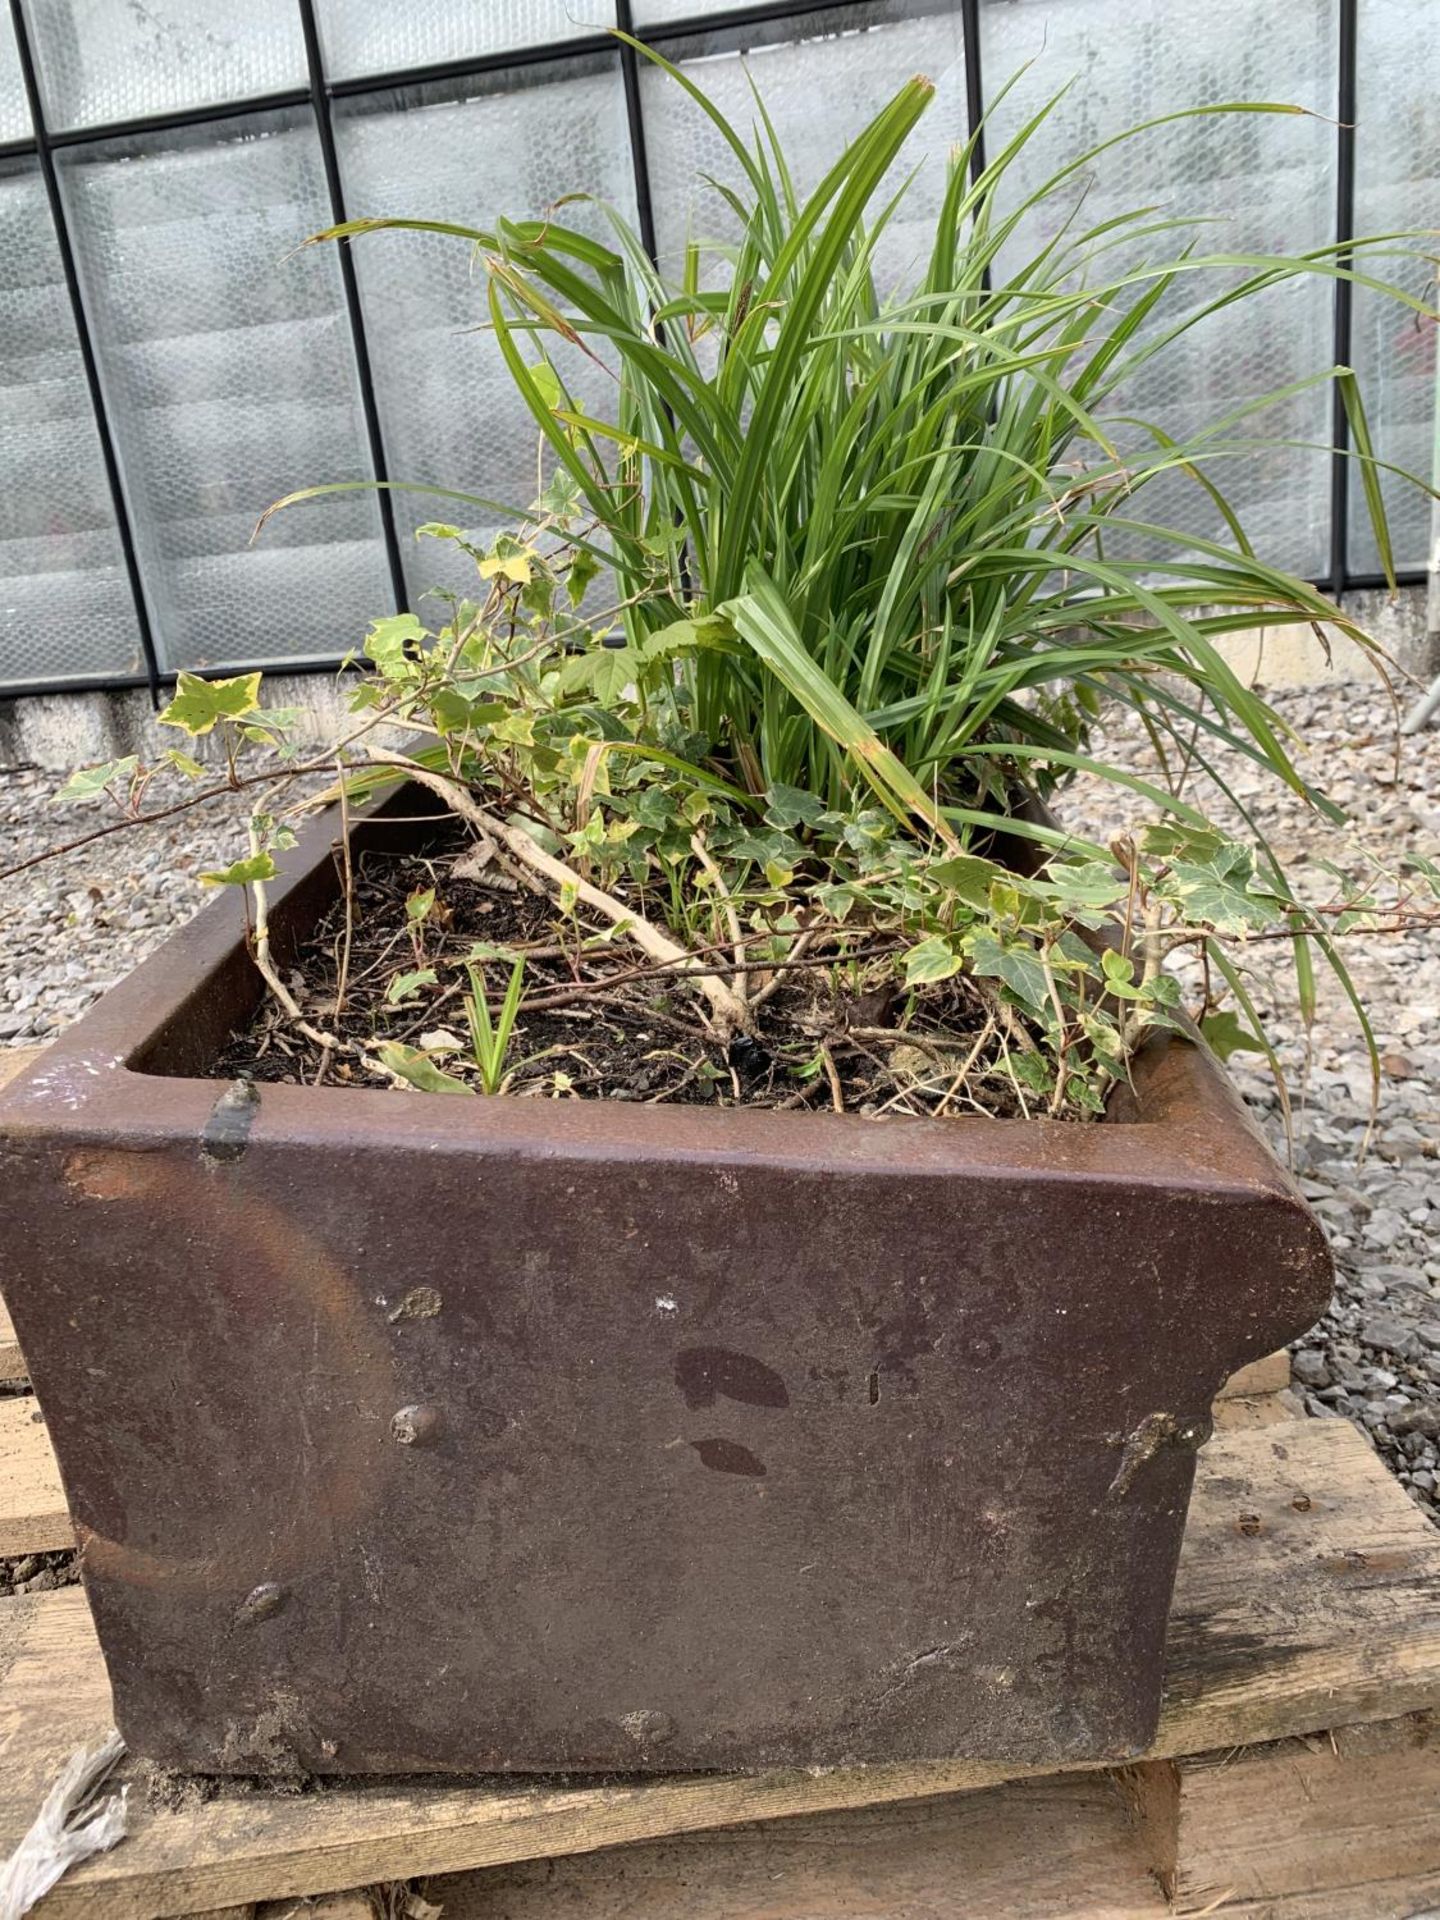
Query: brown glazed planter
(403, 1432)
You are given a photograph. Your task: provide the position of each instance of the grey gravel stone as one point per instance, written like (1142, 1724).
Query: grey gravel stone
(1310, 1368)
(1388, 1335)
(1381, 1215)
(1417, 1422)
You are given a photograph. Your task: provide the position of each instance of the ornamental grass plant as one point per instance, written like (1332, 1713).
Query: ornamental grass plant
(771, 688)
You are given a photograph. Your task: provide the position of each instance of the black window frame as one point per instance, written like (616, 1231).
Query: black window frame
(319, 95)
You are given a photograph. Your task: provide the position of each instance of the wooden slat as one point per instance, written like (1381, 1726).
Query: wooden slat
(1410, 1898)
(12, 1361)
(1309, 1817)
(1257, 1409)
(1058, 1848)
(1269, 1375)
(356, 1905)
(1309, 1597)
(14, 1060)
(33, 1515)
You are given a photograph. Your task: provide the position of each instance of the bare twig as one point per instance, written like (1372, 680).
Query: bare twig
(347, 872)
(837, 1097)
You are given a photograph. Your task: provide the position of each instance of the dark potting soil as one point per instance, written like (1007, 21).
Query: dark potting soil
(599, 1021)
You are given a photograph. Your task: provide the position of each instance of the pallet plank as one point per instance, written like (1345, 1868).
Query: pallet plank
(1309, 1597)
(12, 1361)
(1310, 1816)
(1257, 1409)
(1059, 1848)
(33, 1514)
(1415, 1898)
(1270, 1375)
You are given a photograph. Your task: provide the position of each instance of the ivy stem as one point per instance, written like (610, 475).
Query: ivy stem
(260, 949)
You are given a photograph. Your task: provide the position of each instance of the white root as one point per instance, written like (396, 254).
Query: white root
(727, 907)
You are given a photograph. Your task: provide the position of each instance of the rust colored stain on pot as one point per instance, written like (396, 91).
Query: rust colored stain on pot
(103, 1174)
(578, 1435)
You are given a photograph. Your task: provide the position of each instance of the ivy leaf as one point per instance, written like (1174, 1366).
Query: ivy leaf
(1172, 842)
(453, 713)
(787, 807)
(1032, 1070)
(1081, 1093)
(1226, 1034)
(582, 570)
(513, 568)
(419, 1069)
(1085, 883)
(88, 781)
(766, 849)
(932, 959)
(1104, 1038)
(1017, 966)
(967, 876)
(183, 763)
(604, 671)
(837, 900)
(418, 905)
(198, 703)
(561, 497)
(1163, 991)
(690, 636)
(539, 596)
(240, 873)
(439, 530)
(406, 984)
(1218, 894)
(388, 640)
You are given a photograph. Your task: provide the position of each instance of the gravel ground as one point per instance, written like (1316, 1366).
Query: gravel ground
(72, 927)
(1375, 1358)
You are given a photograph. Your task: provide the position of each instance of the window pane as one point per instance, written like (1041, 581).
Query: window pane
(65, 604)
(14, 110)
(1267, 181)
(450, 414)
(851, 59)
(100, 60)
(227, 359)
(1397, 185)
(379, 36)
(649, 13)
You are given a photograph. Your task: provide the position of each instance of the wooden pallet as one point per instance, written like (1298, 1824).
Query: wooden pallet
(1295, 1775)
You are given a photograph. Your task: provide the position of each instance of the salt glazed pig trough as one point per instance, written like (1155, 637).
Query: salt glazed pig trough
(408, 1433)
